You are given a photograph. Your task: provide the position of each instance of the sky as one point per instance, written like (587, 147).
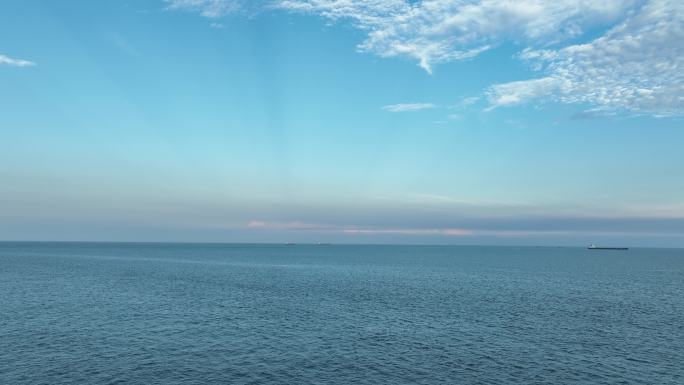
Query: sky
(489, 122)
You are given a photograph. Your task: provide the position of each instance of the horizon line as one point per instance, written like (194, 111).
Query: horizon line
(324, 244)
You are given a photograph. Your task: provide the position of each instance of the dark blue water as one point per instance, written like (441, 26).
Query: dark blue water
(258, 314)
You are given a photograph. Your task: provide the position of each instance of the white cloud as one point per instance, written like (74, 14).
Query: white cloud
(637, 66)
(469, 101)
(212, 9)
(521, 91)
(464, 103)
(408, 107)
(438, 31)
(15, 62)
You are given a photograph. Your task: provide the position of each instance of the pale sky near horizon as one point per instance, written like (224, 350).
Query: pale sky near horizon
(379, 121)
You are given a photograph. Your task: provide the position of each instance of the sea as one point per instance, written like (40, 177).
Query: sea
(158, 313)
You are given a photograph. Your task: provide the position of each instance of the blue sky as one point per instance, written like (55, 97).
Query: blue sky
(485, 122)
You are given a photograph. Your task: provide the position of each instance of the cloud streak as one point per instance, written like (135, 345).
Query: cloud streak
(408, 107)
(212, 9)
(15, 62)
(557, 228)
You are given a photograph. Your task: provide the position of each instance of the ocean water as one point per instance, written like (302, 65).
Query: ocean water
(98, 313)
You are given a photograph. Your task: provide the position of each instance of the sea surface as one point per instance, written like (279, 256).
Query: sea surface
(135, 313)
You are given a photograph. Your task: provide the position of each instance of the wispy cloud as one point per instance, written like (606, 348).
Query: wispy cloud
(349, 229)
(15, 62)
(393, 231)
(295, 225)
(438, 31)
(539, 228)
(593, 113)
(408, 107)
(508, 94)
(635, 67)
(212, 9)
(468, 101)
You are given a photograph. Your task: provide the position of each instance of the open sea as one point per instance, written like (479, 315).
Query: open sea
(154, 313)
